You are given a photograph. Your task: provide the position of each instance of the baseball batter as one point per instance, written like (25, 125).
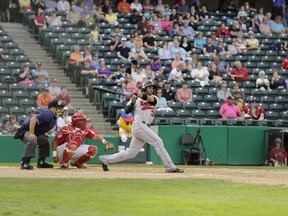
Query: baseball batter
(68, 145)
(144, 104)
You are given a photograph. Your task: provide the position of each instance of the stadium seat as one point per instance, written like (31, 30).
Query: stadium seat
(190, 106)
(267, 99)
(9, 102)
(281, 100)
(213, 114)
(25, 102)
(4, 110)
(272, 115)
(17, 110)
(176, 105)
(183, 113)
(20, 94)
(198, 114)
(204, 106)
(276, 107)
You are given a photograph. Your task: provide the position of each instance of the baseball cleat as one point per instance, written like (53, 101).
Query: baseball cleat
(177, 170)
(64, 166)
(43, 164)
(104, 167)
(79, 166)
(26, 167)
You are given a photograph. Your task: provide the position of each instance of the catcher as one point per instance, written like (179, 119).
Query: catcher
(67, 143)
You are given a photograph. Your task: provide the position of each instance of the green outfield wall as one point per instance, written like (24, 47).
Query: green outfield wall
(223, 144)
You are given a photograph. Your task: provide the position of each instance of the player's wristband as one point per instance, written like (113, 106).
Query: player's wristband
(104, 141)
(54, 153)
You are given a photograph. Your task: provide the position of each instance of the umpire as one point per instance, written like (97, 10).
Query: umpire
(33, 133)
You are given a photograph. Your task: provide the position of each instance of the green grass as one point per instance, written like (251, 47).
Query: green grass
(137, 197)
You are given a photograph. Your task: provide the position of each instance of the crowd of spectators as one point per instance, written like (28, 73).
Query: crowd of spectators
(185, 53)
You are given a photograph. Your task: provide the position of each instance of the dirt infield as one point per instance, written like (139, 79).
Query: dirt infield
(267, 175)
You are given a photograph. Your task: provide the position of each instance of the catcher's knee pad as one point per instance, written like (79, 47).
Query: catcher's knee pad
(71, 147)
(92, 151)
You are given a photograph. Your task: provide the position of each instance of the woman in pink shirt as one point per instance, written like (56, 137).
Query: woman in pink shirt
(166, 24)
(184, 94)
(177, 61)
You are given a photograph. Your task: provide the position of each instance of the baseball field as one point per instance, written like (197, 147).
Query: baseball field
(137, 189)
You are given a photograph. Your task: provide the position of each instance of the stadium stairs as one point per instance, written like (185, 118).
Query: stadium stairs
(36, 53)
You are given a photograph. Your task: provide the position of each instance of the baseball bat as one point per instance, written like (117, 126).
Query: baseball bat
(107, 90)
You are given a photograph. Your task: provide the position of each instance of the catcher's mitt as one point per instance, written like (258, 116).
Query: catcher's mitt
(109, 146)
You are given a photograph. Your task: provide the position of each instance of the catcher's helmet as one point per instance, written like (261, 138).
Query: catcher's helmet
(79, 120)
(148, 83)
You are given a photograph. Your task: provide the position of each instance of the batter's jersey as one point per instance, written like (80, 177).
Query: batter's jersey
(144, 111)
(70, 134)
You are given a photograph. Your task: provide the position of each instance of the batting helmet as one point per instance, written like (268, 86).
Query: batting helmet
(148, 83)
(79, 120)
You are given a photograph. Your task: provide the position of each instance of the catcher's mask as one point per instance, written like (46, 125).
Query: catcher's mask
(79, 120)
(146, 84)
(59, 105)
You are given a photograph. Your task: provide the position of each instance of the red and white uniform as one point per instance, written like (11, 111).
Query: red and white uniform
(71, 134)
(144, 111)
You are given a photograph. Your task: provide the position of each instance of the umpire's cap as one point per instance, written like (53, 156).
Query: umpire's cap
(148, 83)
(57, 104)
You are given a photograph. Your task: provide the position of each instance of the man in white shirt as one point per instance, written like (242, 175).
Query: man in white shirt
(63, 6)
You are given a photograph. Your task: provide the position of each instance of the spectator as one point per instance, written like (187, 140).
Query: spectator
(177, 61)
(88, 72)
(264, 27)
(235, 89)
(130, 86)
(240, 73)
(147, 26)
(64, 96)
(88, 53)
(284, 64)
(161, 102)
(285, 47)
(256, 22)
(123, 52)
(104, 7)
(156, 23)
(149, 14)
(262, 82)
(111, 18)
(240, 43)
(186, 45)
(220, 49)
(187, 30)
(182, 8)
(230, 111)
(175, 30)
(252, 42)
(63, 6)
(115, 43)
(159, 5)
(131, 44)
(116, 32)
(214, 74)
(233, 49)
(175, 49)
(73, 17)
(194, 13)
(176, 73)
(121, 73)
(278, 7)
(95, 63)
(149, 73)
(229, 6)
(103, 71)
(184, 94)
(147, 6)
(193, 62)
(54, 21)
(11, 126)
(278, 154)
(121, 89)
(209, 49)
(223, 32)
(277, 26)
(64, 119)
(123, 6)
(25, 76)
(261, 14)
(167, 92)
(44, 98)
(137, 38)
(138, 53)
(204, 15)
(164, 53)
(200, 74)
(199, 42)
(50, 5)
(76, 58)
(166, 24)
(136, 5)
(223, 93)
(254, 111)
(277, 82)
(135, 18)
(249, 9)
(138, 75)
(40, 76)
(234, 29)
(94, 34)
(53, 89)
(242, 14)
(39, 19)
(156, 65)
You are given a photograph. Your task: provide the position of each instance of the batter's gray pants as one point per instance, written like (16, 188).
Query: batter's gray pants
(141, 134)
